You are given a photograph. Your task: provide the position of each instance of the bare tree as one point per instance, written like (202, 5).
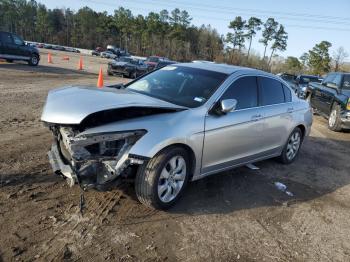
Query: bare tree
(338, 57)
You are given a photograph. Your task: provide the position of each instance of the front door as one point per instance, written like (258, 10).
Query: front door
(234, 137)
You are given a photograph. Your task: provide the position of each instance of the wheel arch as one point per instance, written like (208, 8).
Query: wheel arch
(191, 155)
(303, 130)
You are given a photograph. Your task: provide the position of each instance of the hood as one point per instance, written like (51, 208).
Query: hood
(71, 105)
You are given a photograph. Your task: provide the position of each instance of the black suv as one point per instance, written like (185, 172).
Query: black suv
(331, 98)
(12, 47)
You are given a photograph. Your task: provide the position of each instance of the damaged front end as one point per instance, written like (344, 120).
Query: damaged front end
(93, 160)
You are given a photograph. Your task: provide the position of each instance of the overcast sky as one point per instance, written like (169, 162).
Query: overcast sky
(307, 22)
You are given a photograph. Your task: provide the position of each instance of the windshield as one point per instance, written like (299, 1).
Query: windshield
(307, 79)
(153, 59)
(346, 82)
(184, 86)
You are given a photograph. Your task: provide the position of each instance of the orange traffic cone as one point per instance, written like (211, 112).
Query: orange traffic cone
(49, 58)
(100, 79)
(80, 65)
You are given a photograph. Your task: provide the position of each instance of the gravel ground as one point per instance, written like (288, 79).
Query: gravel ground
(233, 216)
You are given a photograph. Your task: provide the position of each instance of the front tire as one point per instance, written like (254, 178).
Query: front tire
(334, 121)
(292, 147)
(34, 60)
(161, 181)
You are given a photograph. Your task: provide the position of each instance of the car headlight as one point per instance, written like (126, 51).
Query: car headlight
(100, 146)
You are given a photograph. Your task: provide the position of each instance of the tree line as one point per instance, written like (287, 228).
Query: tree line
(167, 33)
(317, 61)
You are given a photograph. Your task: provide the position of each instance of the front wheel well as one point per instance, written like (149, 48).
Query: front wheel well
(190, 154)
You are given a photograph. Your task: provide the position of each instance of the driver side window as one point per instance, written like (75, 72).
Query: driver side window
(245, 91)
(17, 40)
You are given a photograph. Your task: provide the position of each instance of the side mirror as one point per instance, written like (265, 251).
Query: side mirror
(228, 105)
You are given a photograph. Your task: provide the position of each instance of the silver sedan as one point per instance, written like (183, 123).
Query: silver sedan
(177, 124)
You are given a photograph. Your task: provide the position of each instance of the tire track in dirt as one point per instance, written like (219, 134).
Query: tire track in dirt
(77, 231)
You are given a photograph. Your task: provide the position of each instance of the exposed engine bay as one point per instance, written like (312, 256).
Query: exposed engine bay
(92, 160)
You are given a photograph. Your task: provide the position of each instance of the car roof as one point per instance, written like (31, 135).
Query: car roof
(221, 68)
(310, 76)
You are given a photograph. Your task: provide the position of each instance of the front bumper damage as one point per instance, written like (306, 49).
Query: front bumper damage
(94, 160)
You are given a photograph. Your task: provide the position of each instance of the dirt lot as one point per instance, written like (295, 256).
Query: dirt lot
(234, 216)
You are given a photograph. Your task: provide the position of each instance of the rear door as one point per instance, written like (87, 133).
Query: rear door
(276, 105)
(5, 47)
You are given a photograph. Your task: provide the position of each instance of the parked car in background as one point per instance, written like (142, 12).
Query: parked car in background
(127, 66)
(152, 61)
(71, 49)
(47, 46)
(58, 48)
(331, 98)
(302, 81)
(39, 45)
(202, 61)
(12, 47)
(108, 54)
(95, 53)
(174, 125)
(163, 63)
(290, 79)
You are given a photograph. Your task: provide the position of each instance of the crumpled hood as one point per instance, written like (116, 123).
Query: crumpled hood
(71, 105)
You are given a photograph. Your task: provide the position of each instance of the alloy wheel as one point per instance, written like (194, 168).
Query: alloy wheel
(332, 118)
(172, 178)
(293, 145)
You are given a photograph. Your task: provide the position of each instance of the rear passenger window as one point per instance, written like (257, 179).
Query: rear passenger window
(245, 91)
(287, 94)
(271, 91)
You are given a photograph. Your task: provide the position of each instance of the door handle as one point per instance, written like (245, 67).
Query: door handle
(290, 109)
(256, 117)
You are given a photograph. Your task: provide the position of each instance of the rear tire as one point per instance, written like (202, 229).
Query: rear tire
(292, 147)
(334, 121)
(161, 181)
(34, 60)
